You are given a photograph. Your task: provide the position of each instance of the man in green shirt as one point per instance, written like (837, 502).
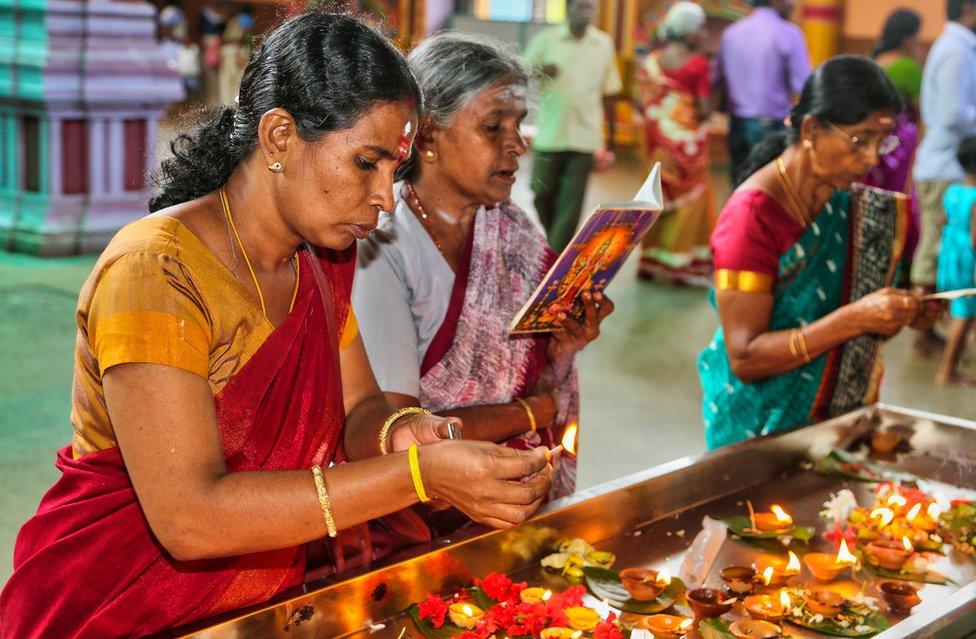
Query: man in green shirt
(580, 83)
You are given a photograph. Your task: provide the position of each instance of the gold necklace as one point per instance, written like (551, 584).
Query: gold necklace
(418, 208)
(797, 212)
(230, 222)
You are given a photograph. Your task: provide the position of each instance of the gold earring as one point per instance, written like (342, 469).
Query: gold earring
(430, 154)
(275, 167)
(808, 144)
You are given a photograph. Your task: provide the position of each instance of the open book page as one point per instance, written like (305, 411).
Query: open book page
(592, 258)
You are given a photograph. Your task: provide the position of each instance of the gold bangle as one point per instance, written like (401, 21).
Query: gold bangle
(324, 501)
(801, 338)
(418, 482)
(528, 411)
(792, 343)
(385, 430)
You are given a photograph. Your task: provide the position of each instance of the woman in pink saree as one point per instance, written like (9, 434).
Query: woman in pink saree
(448, 269)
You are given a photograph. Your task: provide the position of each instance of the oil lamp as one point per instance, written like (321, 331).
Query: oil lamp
(667, 626)
(827, 567)
(465, 615)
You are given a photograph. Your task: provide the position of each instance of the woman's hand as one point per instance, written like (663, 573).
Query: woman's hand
(930, 312)
(571, 336)
(885, 312)
(491, 484)
(421, 429)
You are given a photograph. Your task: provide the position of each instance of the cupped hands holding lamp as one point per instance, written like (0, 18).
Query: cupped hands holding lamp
(224, 411)
(804, 260)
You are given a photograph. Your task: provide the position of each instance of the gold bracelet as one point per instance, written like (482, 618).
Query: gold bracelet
(385, 430)
(418, 482)
(528, 411)
(324, 501)
(801, 338)
(792, 343)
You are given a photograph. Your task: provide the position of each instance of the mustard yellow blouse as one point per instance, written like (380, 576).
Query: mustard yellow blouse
(158, 295)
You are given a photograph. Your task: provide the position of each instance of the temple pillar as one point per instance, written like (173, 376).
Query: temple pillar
(822, 21)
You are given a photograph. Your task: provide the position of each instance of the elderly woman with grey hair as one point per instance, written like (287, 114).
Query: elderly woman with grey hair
(444, 274)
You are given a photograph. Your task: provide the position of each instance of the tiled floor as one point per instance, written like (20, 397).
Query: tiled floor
(640, 388)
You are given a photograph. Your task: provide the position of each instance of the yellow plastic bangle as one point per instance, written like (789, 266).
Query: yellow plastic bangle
(418, 482)
(528, 411)
(324, 501)
(388, 424)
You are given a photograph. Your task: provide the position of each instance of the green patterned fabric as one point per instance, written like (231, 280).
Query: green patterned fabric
(816, 276)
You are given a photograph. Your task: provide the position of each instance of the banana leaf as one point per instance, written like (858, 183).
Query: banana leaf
(605, 584)
(875, 623)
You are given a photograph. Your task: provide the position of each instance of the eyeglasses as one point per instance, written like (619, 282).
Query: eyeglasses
(885, 145)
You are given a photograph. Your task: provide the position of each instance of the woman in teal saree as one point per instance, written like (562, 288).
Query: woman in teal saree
(804, 259)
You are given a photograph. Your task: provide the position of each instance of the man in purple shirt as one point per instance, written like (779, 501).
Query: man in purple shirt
(762, 64)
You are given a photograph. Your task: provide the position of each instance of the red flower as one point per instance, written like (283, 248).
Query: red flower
(961, 502)
(608, 629)
(433, 608)
(567, 598)
(837, 533)
(530, 619)
(499, 587)
(499, 616)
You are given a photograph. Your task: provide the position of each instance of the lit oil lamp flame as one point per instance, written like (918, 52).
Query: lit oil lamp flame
(844, 555)
(686, 625)
(569, 438)
(884, 515)
(933, 511)
(907, 544)
(784, 600)
(896, 500)
(547, 595)
(793, 566)
(467, 610)
(663, 577)
(577, 634)
(913, 513)
(781, 514)
(767, 575)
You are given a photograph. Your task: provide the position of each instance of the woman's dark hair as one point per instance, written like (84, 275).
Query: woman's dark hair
(967, 154)
(325, 69)
(901, 25)
(845, 89)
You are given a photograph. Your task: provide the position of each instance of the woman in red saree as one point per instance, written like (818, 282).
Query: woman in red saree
(447, 271)
(220, 381)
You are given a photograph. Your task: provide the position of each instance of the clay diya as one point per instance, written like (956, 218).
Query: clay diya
(775, 572)
(776, 519)
(884, 441)
(465, 615)
(890, 554)
(582, 618)
(824, 602)
(768, 607)
(557, 632)
(709, 602)
(827, 567)
(740, 580)
(900, 596)
(644, 584)
(755, 629)
(667, 626)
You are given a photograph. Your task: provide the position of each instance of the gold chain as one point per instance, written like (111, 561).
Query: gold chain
(254, 277)
(797, 212)
(418, 208)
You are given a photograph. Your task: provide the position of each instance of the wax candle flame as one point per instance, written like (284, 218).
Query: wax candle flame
(933, 511)
(844, 555)
(907, 544)
(896, 500)
(884, 515)
(781, 514)
(784, 600)
(569, 438)
(663, 577)
(768, 575)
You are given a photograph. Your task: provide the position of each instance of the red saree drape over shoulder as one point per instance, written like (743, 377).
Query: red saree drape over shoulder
(87, 565)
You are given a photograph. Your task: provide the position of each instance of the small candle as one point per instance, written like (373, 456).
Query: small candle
(739, 580)
(901, 597)
(826, 567)
(776, 519)
(777, 571)
(755, 629)
(535, 595)
(465, 615)
(582, 618)
(890, 554)
(767, 607)
(645, 584)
